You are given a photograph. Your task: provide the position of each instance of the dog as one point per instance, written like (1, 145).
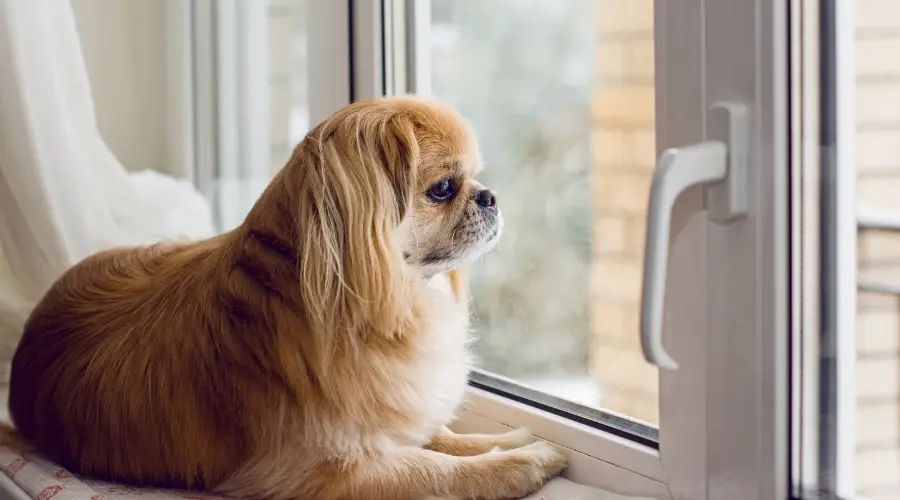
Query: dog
(306, 354)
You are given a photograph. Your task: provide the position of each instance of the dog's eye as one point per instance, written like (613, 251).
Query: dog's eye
(443, 190)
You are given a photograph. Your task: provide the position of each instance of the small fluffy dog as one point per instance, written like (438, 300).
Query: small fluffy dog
(303, 355)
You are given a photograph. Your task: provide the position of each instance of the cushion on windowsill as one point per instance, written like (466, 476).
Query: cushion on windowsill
(40, 479)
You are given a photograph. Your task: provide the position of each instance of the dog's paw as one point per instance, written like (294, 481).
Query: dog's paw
(515, 438)
(549, 460)
(526, 469)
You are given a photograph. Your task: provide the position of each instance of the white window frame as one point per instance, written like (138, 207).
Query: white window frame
(824, 432)
(180, 110)
(330, 53)
(218, 94)
(216, 73)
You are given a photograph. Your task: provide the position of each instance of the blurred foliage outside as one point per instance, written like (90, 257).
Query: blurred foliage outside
(522, 73)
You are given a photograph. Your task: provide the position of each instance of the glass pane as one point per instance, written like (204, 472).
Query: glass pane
(877, 97)
(858, 370)
(561, 94)
(278, 98)
(288, 80)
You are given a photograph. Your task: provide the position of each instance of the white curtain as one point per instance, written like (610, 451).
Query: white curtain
(63, 194)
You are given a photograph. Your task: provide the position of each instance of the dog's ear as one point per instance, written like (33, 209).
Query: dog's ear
(360, 172)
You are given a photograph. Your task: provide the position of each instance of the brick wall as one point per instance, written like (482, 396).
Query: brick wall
(124, 47)
(878, 318)
(624, 155)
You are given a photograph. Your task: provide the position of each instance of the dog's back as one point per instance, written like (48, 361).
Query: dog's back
(90, 392)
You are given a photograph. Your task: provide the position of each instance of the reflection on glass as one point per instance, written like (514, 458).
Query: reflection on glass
(561, 95)
(281, 99)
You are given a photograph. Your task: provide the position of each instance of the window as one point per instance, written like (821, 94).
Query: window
(850, 379)
(778, 345)
(251, 92)
(573, 102)
(565, 121)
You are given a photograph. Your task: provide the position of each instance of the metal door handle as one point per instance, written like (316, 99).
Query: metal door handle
(720, 164)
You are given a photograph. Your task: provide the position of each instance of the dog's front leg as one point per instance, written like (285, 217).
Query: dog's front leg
(415, 473)
(406, 473)
(464, 445)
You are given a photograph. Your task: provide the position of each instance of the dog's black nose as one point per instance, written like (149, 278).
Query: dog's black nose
(485, 198)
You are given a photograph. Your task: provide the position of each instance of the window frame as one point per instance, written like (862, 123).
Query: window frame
(218, 87)
(215, 72)
(180, 101)
(331, 57)
(824, 345)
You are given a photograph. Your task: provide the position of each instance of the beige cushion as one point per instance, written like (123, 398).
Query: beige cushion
(43, 480)
(40, 479)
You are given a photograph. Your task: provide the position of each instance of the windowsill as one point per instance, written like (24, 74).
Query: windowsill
(603, 462)
(563, 489)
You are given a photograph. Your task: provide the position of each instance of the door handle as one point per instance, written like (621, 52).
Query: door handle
(721, 165)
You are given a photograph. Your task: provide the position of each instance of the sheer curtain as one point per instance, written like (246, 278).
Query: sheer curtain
(63, 194)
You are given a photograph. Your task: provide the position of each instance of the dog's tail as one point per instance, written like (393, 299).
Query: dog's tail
(11, 439)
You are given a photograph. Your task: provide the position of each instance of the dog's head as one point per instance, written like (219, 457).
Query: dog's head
(453, 219)
(387, 194)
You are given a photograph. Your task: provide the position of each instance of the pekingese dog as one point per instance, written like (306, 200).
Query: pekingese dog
(303, 355)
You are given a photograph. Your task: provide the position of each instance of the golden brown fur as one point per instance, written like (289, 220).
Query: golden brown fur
(303, 355)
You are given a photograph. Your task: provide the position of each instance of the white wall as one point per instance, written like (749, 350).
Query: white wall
(125, 51)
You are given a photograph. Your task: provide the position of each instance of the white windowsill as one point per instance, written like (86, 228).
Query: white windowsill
(564, 489)
(610, 467)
